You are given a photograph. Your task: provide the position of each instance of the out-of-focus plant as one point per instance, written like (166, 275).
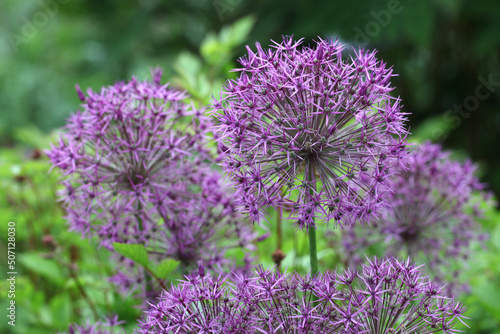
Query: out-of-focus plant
(432, 216)
(61, 278)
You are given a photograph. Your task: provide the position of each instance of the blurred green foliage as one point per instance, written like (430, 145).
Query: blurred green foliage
(439, 48)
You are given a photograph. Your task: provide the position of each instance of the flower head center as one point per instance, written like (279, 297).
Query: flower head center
(410, 235)
(133, 177)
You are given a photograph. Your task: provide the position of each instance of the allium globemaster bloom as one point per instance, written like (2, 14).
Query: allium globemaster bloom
(389, 296)
(120, 155)
(314, 124)
(137, 170)
(432, 215)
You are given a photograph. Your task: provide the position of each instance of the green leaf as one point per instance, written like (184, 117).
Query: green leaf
(187, 65)
(60, 307)
(217, 49)
(135, 252)
(166, 267)
(31, 136)
(488, 295)
(212, 50)
(237, 33)
(435, 128)
(495, 237)
(47, 268)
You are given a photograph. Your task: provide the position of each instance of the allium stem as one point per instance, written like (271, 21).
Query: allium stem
(78, 284)
(279, 237)
(279, 232)
(311, 230)
(141, 228)
(313, 253)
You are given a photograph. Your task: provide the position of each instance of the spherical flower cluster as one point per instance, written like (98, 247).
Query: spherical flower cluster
(389, 296)
(309, 129)
(137, 170)
(432, 216)
(108, 326)
(121, 154)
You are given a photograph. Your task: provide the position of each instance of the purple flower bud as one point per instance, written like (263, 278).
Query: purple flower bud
(201, 269)
(81, 96)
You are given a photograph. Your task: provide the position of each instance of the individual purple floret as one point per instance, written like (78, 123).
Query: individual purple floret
(432, 216)
(108, 326)
(389, 296)
(316, 125)
(137, 170)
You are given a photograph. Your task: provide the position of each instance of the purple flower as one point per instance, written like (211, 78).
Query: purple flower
(310, 129)
(389, 296)
(137, 170)
(432, 215)
(120, 156)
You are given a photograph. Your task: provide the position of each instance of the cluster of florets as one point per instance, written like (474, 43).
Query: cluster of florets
(137, 170)
(108, 326)
(310, 130)
(432, 216)
(389, 296)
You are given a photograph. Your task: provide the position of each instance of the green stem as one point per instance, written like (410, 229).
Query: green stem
(279, 222)
(313, 253)
(311, 231)
(147, 274)
(279, 236)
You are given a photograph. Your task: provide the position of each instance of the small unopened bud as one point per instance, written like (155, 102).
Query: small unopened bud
(36, 154)
(278, 256)
(263, 237)
(49, 241)
(201, 269)
(81, 96)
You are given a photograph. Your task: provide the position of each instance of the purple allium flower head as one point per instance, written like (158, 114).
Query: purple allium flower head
(389, 296)
(137, 170)
(122, 153)
(432, 215)
(319, 126)
(108, 326)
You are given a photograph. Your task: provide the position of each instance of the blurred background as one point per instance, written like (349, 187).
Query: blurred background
(446, 53)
